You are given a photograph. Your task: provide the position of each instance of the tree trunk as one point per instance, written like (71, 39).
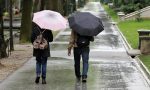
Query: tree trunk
(55, 5)
(3, 44)
(60, 7)
(43, 2)
(80, 4)
(65, 7)
(74, 5)
(36, 5)
(51, 5)
(26, 21)
(10, 25)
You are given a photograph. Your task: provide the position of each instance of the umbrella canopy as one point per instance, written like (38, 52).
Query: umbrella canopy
(51, 20)
(85, 23)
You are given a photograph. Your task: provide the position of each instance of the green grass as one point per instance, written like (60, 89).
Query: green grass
(111, 13)
(146, 60)
(129, 30)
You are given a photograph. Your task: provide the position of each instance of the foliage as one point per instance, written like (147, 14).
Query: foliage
(106, 1)
(117, 3)
(111, 13)
(129, 6)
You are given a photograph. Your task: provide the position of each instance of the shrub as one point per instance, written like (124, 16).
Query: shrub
(128, 8)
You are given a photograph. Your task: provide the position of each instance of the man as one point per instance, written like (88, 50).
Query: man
(41, 54)
(78, 52)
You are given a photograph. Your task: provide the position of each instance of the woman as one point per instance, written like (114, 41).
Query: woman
(41, 54)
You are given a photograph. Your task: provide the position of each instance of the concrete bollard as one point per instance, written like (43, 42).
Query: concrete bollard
(145, 44)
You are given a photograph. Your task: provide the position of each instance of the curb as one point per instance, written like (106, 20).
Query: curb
(144, 68)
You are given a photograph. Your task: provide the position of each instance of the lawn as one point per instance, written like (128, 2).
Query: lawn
(129, 30)
(146, 60)
(111, 13)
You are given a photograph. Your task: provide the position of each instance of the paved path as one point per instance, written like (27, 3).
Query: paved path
(110, 67)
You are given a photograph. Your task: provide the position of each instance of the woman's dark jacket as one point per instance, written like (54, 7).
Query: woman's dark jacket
(47, 35)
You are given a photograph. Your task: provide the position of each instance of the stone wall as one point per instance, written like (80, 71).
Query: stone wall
(144, 13)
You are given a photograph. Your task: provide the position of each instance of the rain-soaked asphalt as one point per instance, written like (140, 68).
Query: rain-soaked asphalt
(110, 67)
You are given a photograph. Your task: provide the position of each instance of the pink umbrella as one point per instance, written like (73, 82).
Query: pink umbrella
(51, 20)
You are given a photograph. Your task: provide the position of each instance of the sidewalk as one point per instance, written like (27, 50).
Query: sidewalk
(110, 66)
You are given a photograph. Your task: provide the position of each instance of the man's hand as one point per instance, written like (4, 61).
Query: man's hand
(69, 52)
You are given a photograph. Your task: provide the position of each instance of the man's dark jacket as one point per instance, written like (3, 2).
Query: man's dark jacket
(47, 35)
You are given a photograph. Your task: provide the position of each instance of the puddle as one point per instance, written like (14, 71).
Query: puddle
(63, 38)
(57, 58)
(59, 47)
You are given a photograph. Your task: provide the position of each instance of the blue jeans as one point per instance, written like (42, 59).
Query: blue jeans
(84, 52)
(41, 65)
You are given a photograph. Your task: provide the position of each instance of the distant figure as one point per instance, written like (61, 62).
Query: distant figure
(16, 10)
(41, 53)
(80, 45)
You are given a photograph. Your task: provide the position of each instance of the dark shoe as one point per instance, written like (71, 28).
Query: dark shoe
(37, 80)
(84, 78)
(43, 81)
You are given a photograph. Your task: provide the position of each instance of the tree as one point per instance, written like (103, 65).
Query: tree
(65, 7)
(50, 4)
(60, 6)
(26, 23)
(74, 5)
(36, 5)
(79, 3)
(10, 26)
(3, 43)
(43, 4)
(55, 5)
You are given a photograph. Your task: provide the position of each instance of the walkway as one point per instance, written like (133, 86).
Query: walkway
(110, 66)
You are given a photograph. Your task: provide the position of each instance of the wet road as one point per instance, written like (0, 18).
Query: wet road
(110, 67)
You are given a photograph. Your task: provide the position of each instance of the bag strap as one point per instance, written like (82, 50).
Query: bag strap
(40, 31)
(43, 31)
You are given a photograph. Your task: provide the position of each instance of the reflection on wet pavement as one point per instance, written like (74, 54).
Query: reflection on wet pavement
(79, 86)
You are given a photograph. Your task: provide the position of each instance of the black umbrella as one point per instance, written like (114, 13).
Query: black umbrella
(85, 23)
